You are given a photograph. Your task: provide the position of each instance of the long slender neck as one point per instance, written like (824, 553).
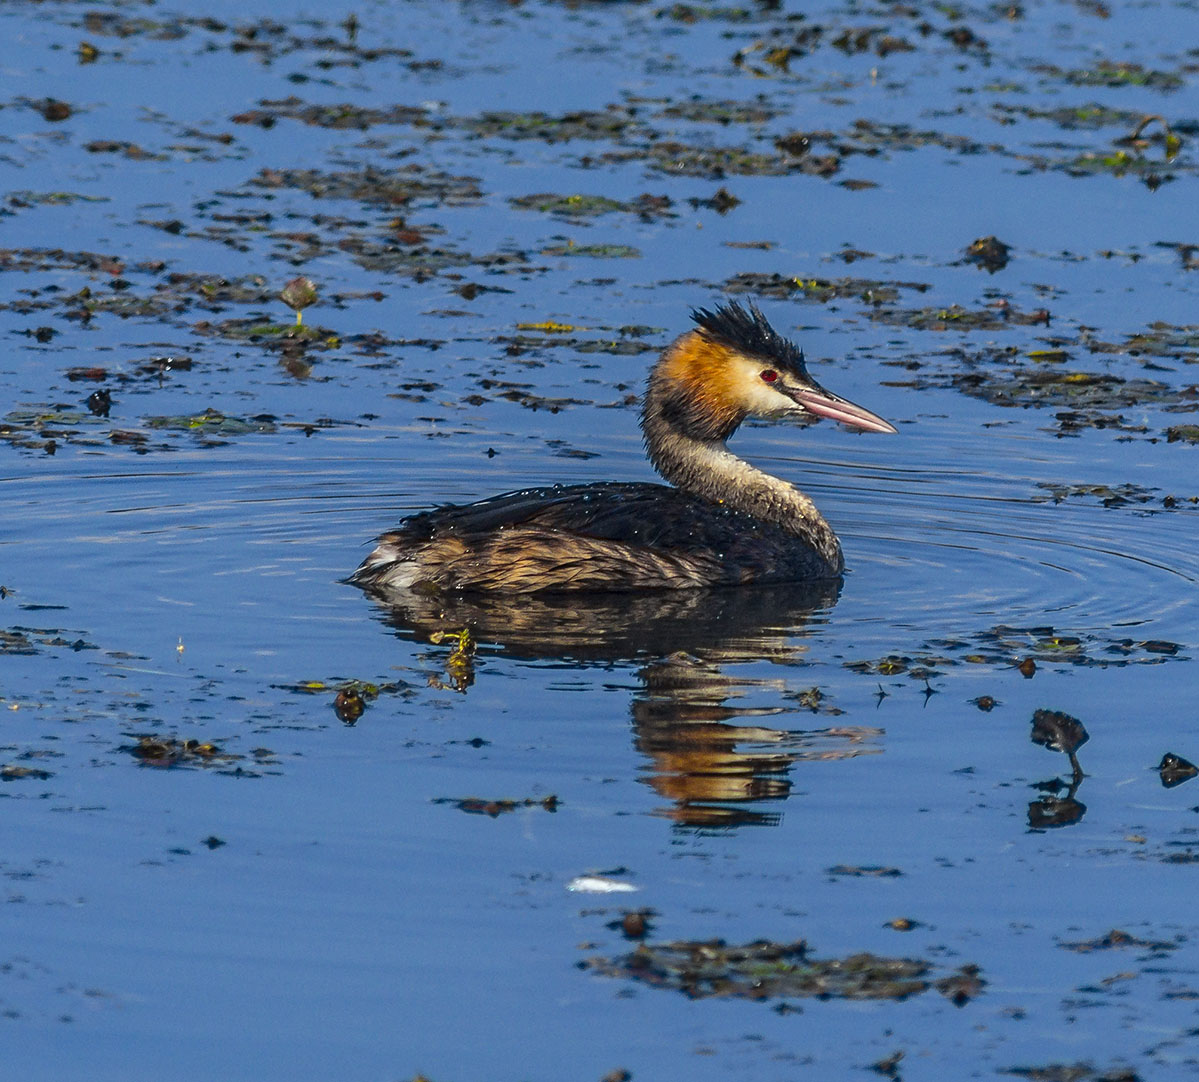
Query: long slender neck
(692, 456)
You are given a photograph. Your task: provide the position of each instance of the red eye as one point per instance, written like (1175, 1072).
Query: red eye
(769, 375)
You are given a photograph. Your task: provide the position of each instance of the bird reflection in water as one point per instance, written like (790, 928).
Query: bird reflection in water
(715, 760)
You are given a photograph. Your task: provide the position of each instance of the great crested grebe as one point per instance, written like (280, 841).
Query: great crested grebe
(724, 523)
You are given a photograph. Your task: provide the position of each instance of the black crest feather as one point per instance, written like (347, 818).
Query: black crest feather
(744, 328)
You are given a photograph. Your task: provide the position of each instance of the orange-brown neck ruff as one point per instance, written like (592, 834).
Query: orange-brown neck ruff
(696, 383)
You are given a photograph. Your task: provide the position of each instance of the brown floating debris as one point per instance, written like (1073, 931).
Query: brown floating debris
(99, 402)
(575, 206)
(476, 806)
(298, 294)
(1026, 668)
(990, 253)
(889, 1067)
(766, 970)
(1137, 139)
(797, 144)
(52, 109)
(167, 752)
(1073, 1072)
(19, 773)
(157, 366)
(81, 375)
(1058, 732)
(1159, 646)
(865, 870)
(1182, 434)
(635, 924)
(961, 987)
(349, 705)
(721, 201)
(1117, 938)
(1174, 770)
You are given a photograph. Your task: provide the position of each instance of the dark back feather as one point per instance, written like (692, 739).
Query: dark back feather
(635, 518)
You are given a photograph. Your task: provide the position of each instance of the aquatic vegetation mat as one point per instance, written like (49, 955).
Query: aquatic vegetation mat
(765, 970)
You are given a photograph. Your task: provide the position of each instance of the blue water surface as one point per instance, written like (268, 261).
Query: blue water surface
(309, 898)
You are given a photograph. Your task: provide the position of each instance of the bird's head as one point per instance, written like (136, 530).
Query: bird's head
(734, 365)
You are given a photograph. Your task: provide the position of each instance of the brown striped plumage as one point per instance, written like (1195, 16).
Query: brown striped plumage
(724, 523)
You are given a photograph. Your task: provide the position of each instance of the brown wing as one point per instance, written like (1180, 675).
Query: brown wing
(602, 537)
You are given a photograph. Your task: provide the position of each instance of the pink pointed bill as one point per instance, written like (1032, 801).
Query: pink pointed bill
(821, 403)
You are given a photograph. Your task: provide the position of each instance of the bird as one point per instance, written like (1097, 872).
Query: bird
(720, 522)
